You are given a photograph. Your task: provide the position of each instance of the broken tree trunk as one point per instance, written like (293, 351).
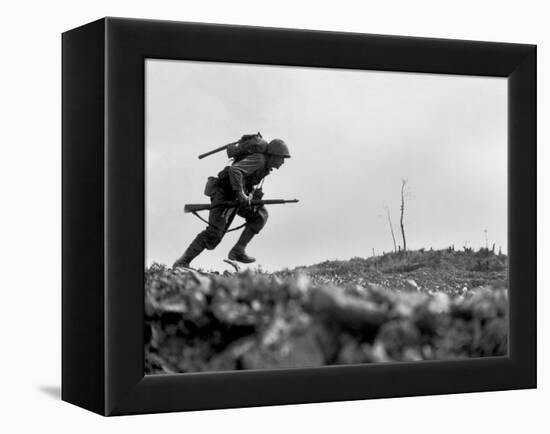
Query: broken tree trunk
(403, 182)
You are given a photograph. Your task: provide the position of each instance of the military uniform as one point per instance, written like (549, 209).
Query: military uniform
(242, 176)
(237, 182)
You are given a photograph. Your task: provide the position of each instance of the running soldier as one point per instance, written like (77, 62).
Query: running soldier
(238, 182)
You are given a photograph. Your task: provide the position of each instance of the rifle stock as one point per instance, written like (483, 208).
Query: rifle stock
(233, 204)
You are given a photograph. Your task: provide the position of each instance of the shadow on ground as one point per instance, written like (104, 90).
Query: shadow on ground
(52, 391)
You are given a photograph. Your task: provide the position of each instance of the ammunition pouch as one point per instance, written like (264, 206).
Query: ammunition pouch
(211, 185)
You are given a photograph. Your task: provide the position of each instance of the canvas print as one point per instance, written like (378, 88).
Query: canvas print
(306, 217)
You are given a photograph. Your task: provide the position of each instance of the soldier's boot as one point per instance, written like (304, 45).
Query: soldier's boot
(238, 253)
(194, 250)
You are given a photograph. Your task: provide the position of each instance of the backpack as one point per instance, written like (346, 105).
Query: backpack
(248, 144)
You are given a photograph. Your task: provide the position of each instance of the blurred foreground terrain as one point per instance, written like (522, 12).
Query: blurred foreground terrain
(405, 306)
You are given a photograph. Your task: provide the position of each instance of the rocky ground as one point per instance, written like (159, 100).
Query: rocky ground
(421, 305)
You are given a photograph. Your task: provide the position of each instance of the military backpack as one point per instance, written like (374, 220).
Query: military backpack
(248, 144)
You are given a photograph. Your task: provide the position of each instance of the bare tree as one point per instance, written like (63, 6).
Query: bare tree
(391, 229)
(403, 183)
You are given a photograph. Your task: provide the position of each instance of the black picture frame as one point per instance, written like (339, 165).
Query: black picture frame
(103, 215)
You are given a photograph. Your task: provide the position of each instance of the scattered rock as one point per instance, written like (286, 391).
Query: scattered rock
(412, 285)
(406, 303)
(433, 314)
(337, 312)
(398, 336)
(297, 351)
(229, 311)
(333, 305)
(354, 352)
(494, 338)
(230, 359)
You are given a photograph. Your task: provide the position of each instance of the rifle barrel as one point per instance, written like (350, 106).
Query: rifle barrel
(233, 203)
(221, 148)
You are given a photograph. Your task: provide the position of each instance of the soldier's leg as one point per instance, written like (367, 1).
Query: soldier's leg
(218, 221)
(255, 221)
(195, 249)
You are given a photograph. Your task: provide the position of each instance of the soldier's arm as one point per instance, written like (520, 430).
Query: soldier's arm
(238, 171)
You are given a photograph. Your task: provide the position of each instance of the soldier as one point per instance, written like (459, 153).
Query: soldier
(238, 181)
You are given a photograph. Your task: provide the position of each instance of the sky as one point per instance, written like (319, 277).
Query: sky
(353, 135)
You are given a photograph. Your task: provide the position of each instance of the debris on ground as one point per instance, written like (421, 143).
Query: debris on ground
(341, 312)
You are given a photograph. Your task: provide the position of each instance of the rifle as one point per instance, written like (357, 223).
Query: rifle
(221, 148)
(234, 203)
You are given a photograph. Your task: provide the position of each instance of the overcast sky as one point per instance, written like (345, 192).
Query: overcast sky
(353, 136)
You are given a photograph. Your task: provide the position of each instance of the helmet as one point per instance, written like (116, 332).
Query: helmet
(278, 147)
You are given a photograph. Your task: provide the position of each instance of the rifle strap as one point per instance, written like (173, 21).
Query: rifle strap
(225, 230)
(200, 218)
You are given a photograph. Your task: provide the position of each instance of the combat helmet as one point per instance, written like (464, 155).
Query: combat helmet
(278, 147)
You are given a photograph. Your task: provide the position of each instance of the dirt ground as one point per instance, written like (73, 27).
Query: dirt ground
(421, 305)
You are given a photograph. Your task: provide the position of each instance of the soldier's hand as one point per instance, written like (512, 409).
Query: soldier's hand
(258, 194)
(245, 200)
